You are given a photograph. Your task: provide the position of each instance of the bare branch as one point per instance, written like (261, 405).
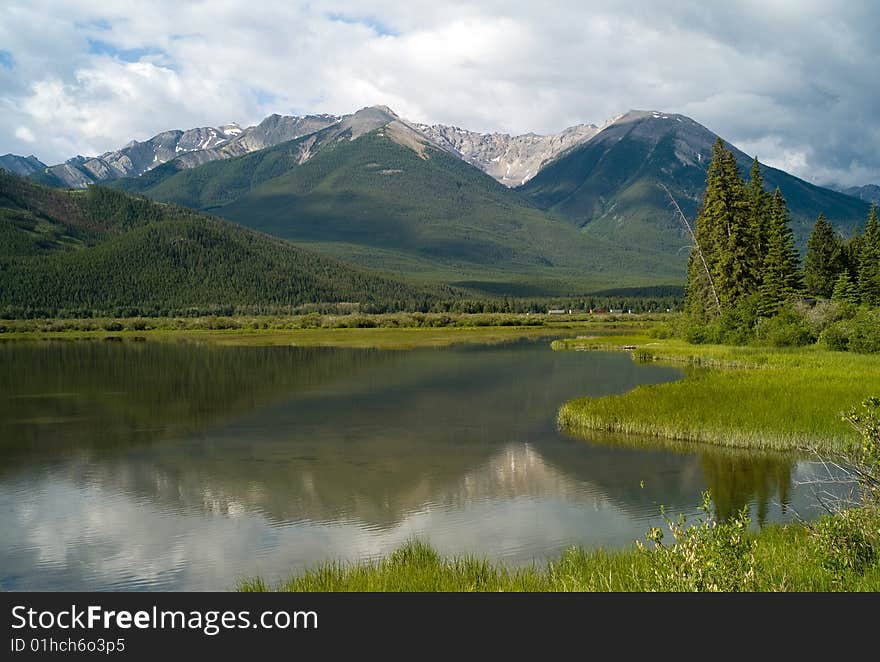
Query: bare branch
(696, 245)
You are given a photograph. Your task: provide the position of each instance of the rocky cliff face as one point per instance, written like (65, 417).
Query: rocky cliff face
(136, 157)
(512, 160)
(193, 147)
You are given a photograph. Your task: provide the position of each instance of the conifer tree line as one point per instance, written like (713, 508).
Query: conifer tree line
(744, 262)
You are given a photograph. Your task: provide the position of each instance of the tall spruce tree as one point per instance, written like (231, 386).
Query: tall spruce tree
(759, 219)
(852, 249)
(701, 292)
(869, 261)
(781, 279)
(824, 260)
(736, 270)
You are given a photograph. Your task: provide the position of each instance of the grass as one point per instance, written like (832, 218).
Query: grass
(399, 330)
(749, 397)
(784, 561)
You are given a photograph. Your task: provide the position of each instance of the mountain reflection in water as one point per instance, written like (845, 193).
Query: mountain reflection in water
(186, 466)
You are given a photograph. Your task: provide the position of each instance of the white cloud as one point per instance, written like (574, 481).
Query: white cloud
(25, 134)
(792, 78)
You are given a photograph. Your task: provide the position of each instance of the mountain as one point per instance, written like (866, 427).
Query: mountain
(375, 190)
(21, 165)
(868, 193)
(135, 158)
(512, 160)
(103, 251)
(190, 148)
(610, 185)
(425, 200)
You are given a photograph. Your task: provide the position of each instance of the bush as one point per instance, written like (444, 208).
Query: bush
(836, 336)
(860, 334)
(737, 324)
(848, 541)
(787, 329)
(661, 331)
(709, 556)
(825, 313)
(865, 338)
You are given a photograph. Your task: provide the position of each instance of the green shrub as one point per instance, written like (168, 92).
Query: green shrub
(860, 334)
(787, 329)
(708, 556)
(865, 337)
(836, 337)
(848, 541)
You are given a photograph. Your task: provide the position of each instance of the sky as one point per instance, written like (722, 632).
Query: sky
(795, 82)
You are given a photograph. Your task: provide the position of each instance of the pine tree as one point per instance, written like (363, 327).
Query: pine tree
(701, 296)
(869, 261)
(724, 240)
(759, 218)
(824, 260)
(736, 273)
(781, 279)
(845, 290)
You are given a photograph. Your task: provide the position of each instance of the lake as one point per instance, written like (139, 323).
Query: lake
(184, 466)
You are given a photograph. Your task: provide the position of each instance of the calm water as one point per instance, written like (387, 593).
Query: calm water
(148, 465)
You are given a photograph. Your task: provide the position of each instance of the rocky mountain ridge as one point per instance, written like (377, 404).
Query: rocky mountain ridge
(511, 160)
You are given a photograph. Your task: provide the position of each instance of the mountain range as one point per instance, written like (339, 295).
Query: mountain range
(525, 215)
(868, 193)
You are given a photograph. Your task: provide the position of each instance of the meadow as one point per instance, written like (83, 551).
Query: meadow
(749, 397)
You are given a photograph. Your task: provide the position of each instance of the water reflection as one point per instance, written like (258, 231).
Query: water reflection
(160, 465)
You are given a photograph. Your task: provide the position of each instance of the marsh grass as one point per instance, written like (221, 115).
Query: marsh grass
(398, 330)
(784, 560)
(749, 397)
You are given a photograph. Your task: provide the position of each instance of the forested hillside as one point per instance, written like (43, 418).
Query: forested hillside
(102, 251)
(411, 208)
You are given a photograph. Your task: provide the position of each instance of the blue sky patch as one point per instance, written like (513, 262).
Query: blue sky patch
(98, 47)
(264, 97)
(6, 60)
(375, 25)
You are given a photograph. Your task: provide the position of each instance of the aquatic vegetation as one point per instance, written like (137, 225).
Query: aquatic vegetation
(751, 397)
(707, 557)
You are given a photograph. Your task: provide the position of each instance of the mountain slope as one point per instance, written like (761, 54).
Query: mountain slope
(610, 184)
(21, 165)
(375, 190)
(135, 158)
(189, 148)
(101, 250)
(868, 193)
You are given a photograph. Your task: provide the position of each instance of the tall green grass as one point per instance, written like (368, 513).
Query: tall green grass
(750, 397)
(785, 560)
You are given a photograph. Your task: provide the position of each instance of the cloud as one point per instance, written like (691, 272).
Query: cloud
(25, 134)
(794, 81)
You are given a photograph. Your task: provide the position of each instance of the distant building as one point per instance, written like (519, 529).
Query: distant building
(556, 311)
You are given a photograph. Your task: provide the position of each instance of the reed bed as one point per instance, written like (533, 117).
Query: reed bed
(748, 397)
(784, 561)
